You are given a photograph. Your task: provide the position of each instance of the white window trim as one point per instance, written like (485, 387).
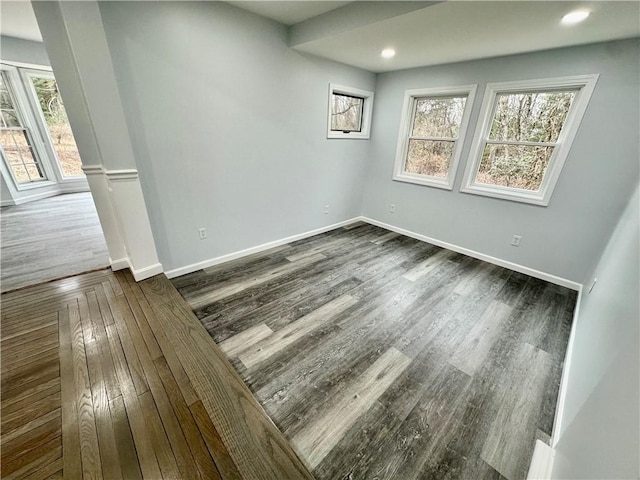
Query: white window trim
(585, 85)
(22, 105)
(367, 110)
(408, 109)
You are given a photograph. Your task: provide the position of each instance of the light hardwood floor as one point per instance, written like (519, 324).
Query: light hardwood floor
(382, 357)
(48, 239)
(106, 378)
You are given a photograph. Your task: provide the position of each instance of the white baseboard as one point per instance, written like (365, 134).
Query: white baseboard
(119, 264)
(50, 193)
(138, 275)
(34, 197)
(564, 381)
(541, 463)
(472, 253)
(176, 272)
(74, 188)
(146, 272)
(480, 256)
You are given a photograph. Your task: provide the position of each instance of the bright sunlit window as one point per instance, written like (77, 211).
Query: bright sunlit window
(434, 123)
(524, 136)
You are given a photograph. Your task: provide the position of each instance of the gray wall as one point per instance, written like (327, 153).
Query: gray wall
(563, 239)
(229, 127)
(599, 436)
(23, 51)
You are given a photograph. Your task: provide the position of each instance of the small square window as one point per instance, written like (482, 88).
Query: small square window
(434, 121)
(346, 113)
(349, 112)
(525, 136)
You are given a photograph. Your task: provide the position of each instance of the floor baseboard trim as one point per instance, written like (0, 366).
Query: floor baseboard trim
(541, 463)
(74, 188)
(563, 282)
(558, 430)
(146, 272)
(139, 274)
(119, 264)
(176, 272)
(37, 196)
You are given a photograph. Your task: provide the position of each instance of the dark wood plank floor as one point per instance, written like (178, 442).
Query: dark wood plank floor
(380, 356)
(51, 238)
(106, 378)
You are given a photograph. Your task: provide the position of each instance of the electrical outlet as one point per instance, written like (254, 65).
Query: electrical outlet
(202, 232)
(515, 241)
(326, 209)
(392, 208)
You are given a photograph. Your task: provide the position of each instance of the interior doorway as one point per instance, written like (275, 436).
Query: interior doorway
(49, 225)
(50, 238)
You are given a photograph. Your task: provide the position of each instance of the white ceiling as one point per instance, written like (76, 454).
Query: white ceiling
(442, 33)
(465, 30)
(18, 20)
(290, 12)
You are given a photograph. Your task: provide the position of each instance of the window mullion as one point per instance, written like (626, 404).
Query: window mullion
(525, 143)
(434, 139)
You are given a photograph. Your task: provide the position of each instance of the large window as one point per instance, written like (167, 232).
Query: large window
(16, 140)
(37, 148)
(349, 112)
(525, 136)
(431, 136)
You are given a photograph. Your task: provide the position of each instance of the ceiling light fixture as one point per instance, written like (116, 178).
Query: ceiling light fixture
(575, 17)
(388, 53)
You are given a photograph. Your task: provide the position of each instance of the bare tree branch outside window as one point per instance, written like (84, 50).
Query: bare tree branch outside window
(346, 113)
(524, 131)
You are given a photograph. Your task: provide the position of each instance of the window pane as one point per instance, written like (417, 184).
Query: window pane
(10, 119)
(346, 113)
(20, 172)
(34, 172)
(531, 117)
(18, 152)
(515, 166)
(429, 157)
(3, 85)
(5, 100)
(438, 117)
(58, 125)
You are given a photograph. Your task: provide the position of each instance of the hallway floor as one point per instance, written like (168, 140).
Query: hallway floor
(48, 239)
(103, 377)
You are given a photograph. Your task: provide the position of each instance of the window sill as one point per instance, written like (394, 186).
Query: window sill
(522, 196)
(351, 135)
(74, 178)
(32, 186)
(437, 182)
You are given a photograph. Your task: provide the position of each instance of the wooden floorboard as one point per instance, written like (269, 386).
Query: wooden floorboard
(36, 237)
(376, 355)
(382, 357)
(98, 383)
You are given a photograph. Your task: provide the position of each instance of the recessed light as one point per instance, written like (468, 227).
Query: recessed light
(575, 17)
(388, 53)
